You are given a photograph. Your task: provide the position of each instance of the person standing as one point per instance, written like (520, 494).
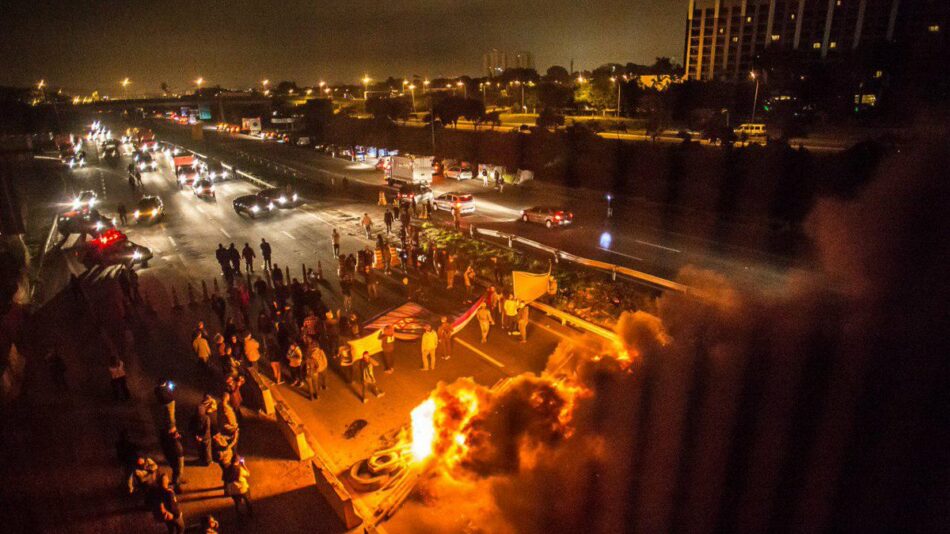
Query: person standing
(388, 341)
(331, 329)
(174, 455)
(120, 386)
(295, 360)
(316, 371)
(485, 321)
(430, 342)
(450, 270)
(523, 322)
(219, 306)
(367, 225)
(367, 376)
(248, 254)
(227, 419)
(335, 241)
(234, 257)
(168, 509)
(123, 214)
(252, 351)
(388, 220)
(236, 485)
(345, 358)
(510, 308)
(204, 428)
(277, 275)
(468, 277)
(265, 253)
(201, 347)
(372, 283)
(346, 291)
(457, 217)
(445, 333)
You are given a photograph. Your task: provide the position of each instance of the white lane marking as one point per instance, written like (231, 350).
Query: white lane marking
(288, 234)
(647, 243)
(620, 254)
(172, 241)
(227, 235)
(480, 354)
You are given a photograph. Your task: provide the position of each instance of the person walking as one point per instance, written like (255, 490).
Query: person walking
(174, 455)
(510, 308)
(367, 225)
(316, 371)
(120, 386)
(295, 360)
(523, 319)
(344, 357)
(388, 220)
(485, 320)
(387, 339)
(227, 418)
(445, 333)
(252, 350)
(265, 253)
(367, 376)
(123, 213)
(200, 345)
(335, 241)
(372, 283)
(468, 278)
(248, 254)
(430, 342)
(236, 485)
(168, 509)
(204, 428)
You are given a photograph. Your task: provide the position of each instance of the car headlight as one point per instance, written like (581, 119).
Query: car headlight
(137, 214)
(255, 209)
(270, 206)
(98, 226)
(154, 165)
(136, 255)
(141, 166)
(282, 200)
(72, 164)
(153, 213)
(295, 197)
(224, 174)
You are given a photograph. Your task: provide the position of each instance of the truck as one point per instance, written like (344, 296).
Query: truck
(410, 170)
(251, 126)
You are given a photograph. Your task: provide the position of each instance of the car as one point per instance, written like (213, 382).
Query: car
(85, 200)
(137, 154)
(112, 247)
(110, 149)
(548, 216)
(146, 162)
(77, 160)
(448, 201)
(216, 171)
(149, 209)
(187, 176)
(204, 188)
(459, 173)
(406, 193)
(84, 222)
(253, 206)
(281, 197)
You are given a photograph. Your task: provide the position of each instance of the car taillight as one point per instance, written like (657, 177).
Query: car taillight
(557, 217)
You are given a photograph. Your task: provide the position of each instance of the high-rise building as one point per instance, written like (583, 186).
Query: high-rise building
(494, 62)
(523, 60)
(724, 37)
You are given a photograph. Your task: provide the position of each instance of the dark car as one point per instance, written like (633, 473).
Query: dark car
(215, 171)
(281, 197)
(110, 149)
(253, 206)
(146, 162)
(84, 222)
(548, 216)
(204, 188)
(149, 209)
(421, 193)
(187, 176)
(77, 160)
(86, 199)
(112, 247)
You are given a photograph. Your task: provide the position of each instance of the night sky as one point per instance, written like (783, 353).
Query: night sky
(85, 45)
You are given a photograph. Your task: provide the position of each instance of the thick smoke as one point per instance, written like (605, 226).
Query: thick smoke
(823, 409)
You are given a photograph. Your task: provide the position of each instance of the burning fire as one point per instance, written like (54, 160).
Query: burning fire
(423, 430)
(441, 423)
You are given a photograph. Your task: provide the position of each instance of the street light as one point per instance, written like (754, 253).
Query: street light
(412, 92)
(366, 80)
(610, 210)
(264, 83)
(309, 92)
(425, 86)
(199, 81)
(41, 84)
(755, 99)
(125, 86)
(464, 87)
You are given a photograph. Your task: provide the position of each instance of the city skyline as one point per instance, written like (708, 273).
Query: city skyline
(308, 43)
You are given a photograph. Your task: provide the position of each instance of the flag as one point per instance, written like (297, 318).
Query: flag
(373, 344)
(528, 287)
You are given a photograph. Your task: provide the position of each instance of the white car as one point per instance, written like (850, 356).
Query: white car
(458, 173)
(448, 201)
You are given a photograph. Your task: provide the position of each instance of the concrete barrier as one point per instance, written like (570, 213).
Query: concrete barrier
(335, 494)
(261, 392)
(294, 430)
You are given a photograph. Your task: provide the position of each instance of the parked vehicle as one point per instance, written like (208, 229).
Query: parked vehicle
(458, 173)
(410, 170)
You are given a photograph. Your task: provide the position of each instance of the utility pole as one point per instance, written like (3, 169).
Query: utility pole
(755, 99)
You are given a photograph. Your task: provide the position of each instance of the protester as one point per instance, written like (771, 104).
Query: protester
(468, 277)
(236, 485)
(316, 371)
(372, 283)
(430, 341)
(218, 305)
(335, 240)
(388, 220)
(201, 347)
(510, 321)
(445, 333)
(276, 275)
(252, 351)
(235, 258)
(204, 427)
(367, 377)
(248, 254)
(523, 322)
(344, 358)
(265, 253)
(227, 418)
(168, 508)
(120, 386)
(209, 525)
(144, 477)
(388, 342)
(367, 225)
(222, 449)
(174, 455)
(485, 320)
(295, 360)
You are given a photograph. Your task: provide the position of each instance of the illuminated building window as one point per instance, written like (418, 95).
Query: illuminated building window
(832, 44)
(776, 37)
(792, 16)
(878, 73)
(722, 30)
(816, 45)
(735, 39)
(933, 28)
(748, 19)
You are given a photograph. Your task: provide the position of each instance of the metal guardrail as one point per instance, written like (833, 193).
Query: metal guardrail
(246, 175)
(604, 266)
(573, 320)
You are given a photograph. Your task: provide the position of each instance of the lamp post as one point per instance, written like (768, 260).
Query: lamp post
(125, 86)
(464, 87)
(264, 83)
(610, 210)
(482, 86)
(425, 86)
(412, 93)
(755, 98)
(366, 80)
(199, 81)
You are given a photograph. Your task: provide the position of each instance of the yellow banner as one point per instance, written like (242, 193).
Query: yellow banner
(529, 287)
(372, 344)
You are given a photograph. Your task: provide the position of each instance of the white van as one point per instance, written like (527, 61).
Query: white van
(752, 132)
